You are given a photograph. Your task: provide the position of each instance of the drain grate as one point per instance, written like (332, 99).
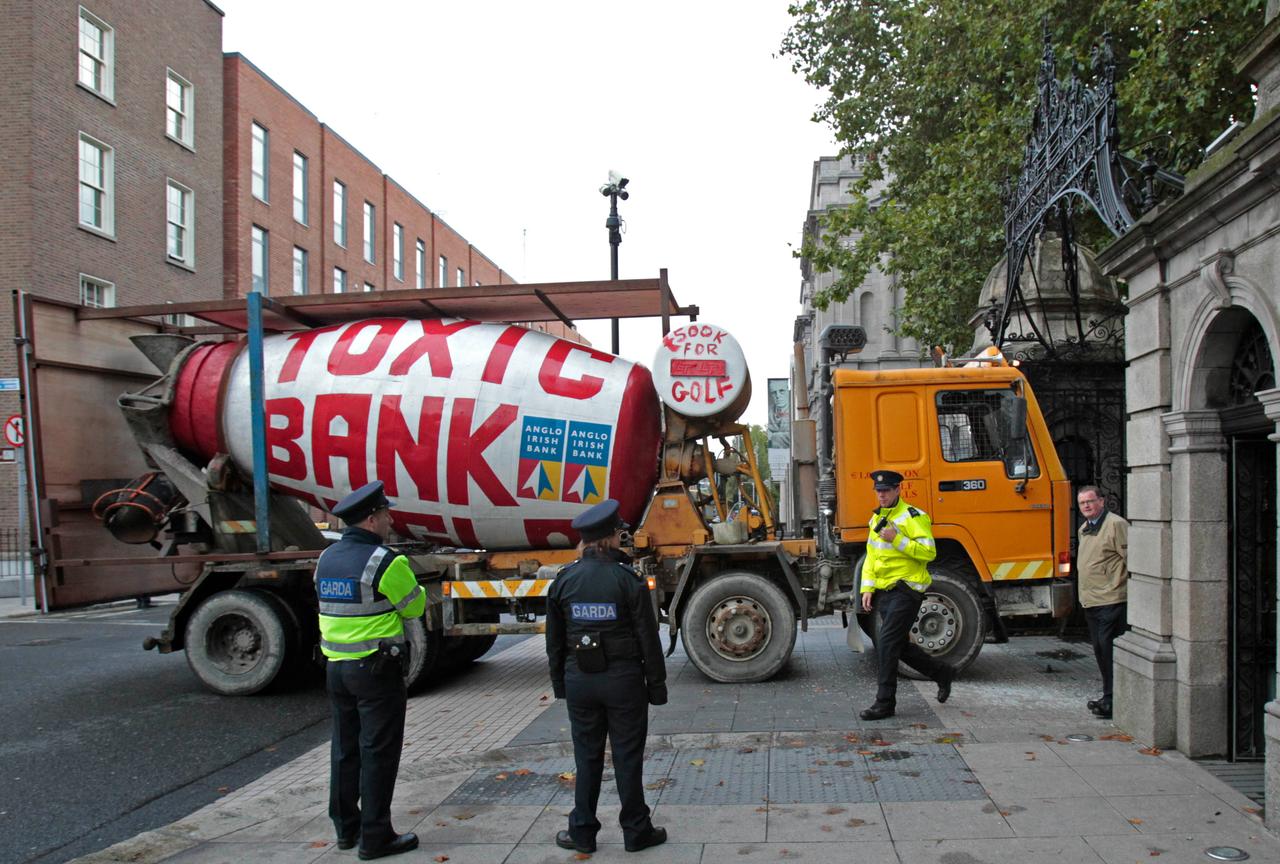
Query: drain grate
(1247, 778)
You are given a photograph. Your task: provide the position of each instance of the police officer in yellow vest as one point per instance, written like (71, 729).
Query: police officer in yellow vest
(365, 590)
(894, 579)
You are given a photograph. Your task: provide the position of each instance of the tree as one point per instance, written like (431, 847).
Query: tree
(943, 92)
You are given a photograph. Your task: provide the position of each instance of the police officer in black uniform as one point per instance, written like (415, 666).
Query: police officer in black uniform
(365, 591)
(606, 659)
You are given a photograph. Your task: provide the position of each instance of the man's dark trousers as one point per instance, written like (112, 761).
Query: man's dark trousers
(1105, 624)
(613, 703)
(898, 607)
(368, 733)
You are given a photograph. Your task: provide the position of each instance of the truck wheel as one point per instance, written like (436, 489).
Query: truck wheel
(738, 628)
(236, 642)
(950, 625)
(424, 653)
(461, 650)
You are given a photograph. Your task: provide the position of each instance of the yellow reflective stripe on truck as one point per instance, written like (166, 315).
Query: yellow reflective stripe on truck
(497, 589)
(1010, 570)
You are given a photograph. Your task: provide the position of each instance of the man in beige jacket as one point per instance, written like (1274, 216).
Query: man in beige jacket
(1102, 574)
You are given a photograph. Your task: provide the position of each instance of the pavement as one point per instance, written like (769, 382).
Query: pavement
(778, 771)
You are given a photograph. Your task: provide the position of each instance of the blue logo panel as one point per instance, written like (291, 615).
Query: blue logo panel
(336, 590)
(593, 611)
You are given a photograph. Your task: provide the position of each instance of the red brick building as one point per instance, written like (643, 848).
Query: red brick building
(307, 213)
(110, 159)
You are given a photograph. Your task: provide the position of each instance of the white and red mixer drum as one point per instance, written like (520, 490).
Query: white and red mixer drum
(487, 436)
(700, 371)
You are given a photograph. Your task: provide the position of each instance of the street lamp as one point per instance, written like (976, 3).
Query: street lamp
(613, 190)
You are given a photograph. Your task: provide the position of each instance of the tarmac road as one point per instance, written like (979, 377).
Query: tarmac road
(100, 740)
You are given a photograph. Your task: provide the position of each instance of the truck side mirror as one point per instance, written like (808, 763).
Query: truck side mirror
(1017, 419)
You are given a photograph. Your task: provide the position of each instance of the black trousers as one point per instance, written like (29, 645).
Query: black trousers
(368, 734)
(613, 703)
(898, 608)
(1105, 624)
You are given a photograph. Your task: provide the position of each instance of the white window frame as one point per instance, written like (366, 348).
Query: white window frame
(368, 286)
(107, 90)
(260, 265)
(340, 213)
(420, 264)
(370, 233)
(104, 185)
(301, 196)
(397, 251)
(462, 278)
(444, 272)
(108, 290)
(339, 280)
(301, 278)
(186, 226)
(265, 173)
(186, 136)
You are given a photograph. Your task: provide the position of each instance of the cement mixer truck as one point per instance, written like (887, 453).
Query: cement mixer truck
(492, 436)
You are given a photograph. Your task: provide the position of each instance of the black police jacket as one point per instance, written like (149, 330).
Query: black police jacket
(602, 595)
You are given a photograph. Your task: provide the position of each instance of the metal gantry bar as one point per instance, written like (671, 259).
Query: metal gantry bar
(258, 420)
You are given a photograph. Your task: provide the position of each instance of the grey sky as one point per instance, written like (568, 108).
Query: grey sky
(505, 118)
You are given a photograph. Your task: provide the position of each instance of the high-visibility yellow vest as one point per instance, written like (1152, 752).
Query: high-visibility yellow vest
(907, 557)
(365, 591)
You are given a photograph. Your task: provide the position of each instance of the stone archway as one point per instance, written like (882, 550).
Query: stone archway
(1223, 534)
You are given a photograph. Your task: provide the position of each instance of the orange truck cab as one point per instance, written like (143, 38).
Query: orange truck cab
(976, 456)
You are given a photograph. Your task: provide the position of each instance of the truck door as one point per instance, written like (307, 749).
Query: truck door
(988, 479)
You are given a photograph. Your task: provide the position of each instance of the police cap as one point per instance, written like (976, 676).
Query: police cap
(362, 503)
(885, 479)
(598, 522)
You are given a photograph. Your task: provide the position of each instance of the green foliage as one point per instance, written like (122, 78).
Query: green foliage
(944, 91)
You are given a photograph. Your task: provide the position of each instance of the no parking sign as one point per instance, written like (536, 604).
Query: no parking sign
(14, 432)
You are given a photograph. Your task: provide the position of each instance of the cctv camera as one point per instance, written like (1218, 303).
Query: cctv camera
(622, 184)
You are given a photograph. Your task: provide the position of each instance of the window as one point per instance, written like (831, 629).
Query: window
(397, 251)
(368, 286)
(462, 278)
(179, 109)
(339, 280)
(97, 55)
(299, 188)
(260, 252)
(299, 270)
(180, 238)
(97, 185)
(369, 214)
(980, 426)
(420, 264)
(98, 293)
(260, 162)
(339, 213)
(444, 272)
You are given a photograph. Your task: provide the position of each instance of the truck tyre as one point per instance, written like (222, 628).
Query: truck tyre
(424, 653)
(738, 628)
(461, 650)
(236, 642)
(950, 625)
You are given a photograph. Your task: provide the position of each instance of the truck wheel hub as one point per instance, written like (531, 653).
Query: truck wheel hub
(738, 628)
(234, 643)
(938, 624)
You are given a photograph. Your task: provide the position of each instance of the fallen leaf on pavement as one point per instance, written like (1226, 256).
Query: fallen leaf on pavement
(822, 762)
(1031, 757)
(1253, 811)
(463, 817)
(833, 811)
(919, 725)
(522, 772)
(762, 809)
(853, 738)
(1135, 821)
(582, 856)
(746, 749)
(542, 698)
(856, 823)
(872, 778)
(1115, 736)
(660, 783)
(1150, 751)
(1046, 738)
(826, 828)
(441, 858)
(566, 776)
(319, 844)
(865, 752)
(500, 777)
(843, 763)
(698, 762)
(223, 790)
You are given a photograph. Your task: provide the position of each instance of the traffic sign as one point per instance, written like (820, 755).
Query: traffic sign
(13, 431)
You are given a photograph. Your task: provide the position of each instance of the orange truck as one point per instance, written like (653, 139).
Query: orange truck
(200, 440)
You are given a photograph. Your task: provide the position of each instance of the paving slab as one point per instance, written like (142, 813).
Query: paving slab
(1155, 778)
(1180, 847)
(1062, 817)
(549, 853)
(463, 823)
(264, 852)
(713, 823)
(944, 820)
(826, 823)
(1200, 813)
(1021, 850)
(810, 853)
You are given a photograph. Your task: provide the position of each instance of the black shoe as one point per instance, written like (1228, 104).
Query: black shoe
(652, 837)
(878, 711)
(1103, 709)
(402, 843)
(944, 684)
(565, 841)
(1093, 704)
(346, 842)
